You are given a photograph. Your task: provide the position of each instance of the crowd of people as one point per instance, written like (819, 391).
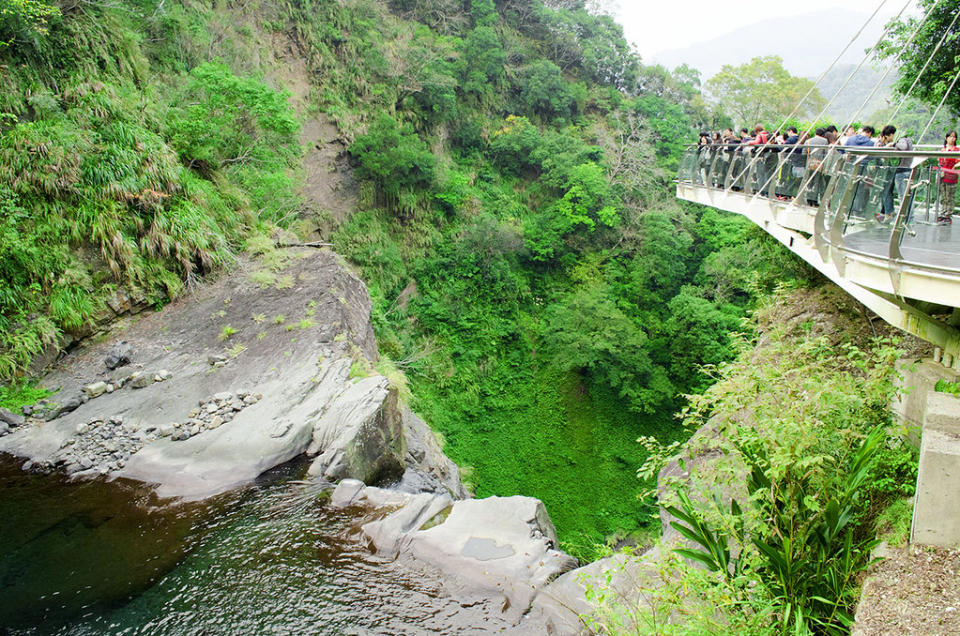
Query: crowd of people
(783, 158)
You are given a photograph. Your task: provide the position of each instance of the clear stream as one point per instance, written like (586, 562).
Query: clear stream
(109, 558)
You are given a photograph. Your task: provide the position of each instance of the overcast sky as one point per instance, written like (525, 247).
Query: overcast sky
(661, 25)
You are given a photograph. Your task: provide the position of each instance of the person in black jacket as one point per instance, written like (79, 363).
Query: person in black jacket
(791, 165)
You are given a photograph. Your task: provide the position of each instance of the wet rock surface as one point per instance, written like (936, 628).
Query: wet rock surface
(494, 546)
(202, 412)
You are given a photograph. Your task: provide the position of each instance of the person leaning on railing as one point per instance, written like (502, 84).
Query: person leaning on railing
(948, 180)
(885, 140)
(816, 153)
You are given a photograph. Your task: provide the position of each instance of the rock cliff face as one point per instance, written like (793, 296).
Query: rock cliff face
(224, 385)
(216, 389)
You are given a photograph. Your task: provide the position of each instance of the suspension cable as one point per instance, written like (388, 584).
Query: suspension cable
(872, 93)
(943, 38)
(940, 105)
(845, 83)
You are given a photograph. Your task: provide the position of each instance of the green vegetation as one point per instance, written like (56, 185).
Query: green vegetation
(17, 394)
(24, 19)
(115, 182)
(762, 90)
(944, 386)
(531, 273)
(786, 514)
(932, 72)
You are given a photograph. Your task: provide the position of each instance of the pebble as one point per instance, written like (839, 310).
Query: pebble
(96, 389)
(106, 444)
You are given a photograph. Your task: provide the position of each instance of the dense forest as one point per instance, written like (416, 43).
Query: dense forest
(533, 278)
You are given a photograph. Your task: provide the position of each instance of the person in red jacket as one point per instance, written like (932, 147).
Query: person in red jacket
(764, 172)
(948, 179)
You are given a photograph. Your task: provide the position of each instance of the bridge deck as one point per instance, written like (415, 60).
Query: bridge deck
(827, 212)
(936, 245)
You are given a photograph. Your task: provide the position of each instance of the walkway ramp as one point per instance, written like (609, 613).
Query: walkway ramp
(870, 219)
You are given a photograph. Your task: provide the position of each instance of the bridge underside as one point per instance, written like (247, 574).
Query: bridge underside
(908, 292)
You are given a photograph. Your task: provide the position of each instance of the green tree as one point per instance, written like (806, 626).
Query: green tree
(762, 90)
(589, 333)
(394, 157)
(544, 91)
(941, 25)
(587, 203)
(482, 60)
(24, 18)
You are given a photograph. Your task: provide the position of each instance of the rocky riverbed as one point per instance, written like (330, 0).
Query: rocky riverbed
(218, 388)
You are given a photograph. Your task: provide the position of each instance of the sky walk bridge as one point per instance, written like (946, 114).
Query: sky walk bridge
(869, 219)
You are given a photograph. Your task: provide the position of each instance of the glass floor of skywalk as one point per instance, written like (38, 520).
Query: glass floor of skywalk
(929, 244)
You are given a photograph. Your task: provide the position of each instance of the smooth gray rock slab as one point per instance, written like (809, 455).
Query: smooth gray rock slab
(624, 580)
(497, 545)
(218, 459)
(11, 418)
(346, 493)
(360, 434)
(425, 456)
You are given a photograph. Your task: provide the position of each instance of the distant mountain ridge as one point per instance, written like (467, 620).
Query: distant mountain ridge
(807, 43)
(857, 101)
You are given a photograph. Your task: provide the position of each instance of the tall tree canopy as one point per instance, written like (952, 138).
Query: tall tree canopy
(913, 55)
(762, 90)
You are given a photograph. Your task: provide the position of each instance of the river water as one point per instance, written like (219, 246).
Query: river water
(109, 558)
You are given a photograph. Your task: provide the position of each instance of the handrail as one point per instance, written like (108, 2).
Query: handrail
(866, 196)
(875, 221)
(885, 151)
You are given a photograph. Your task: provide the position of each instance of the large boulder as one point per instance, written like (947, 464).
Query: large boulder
(624, 581)
(496, 545)
(360, 434)
(428, 468)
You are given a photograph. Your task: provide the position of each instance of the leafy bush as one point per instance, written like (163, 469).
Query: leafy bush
(806, 422)
(587, 203)
(24, 18)
(92, 171)
(482, 62)
(227, 120)
(543, 91)
(394, 157)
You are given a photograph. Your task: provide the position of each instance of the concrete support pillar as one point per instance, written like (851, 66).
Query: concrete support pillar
(936, 510)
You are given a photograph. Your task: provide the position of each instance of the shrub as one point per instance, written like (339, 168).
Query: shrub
(394, 157)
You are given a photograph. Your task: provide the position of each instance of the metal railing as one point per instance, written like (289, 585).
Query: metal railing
(878, 203)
